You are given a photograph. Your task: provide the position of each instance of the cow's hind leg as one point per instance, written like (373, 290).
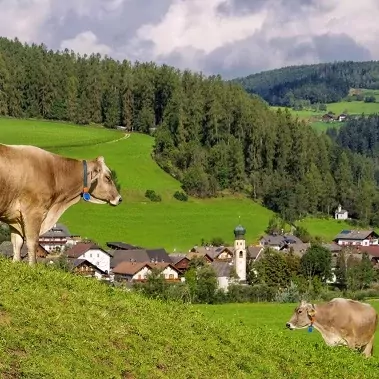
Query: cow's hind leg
(369, 348)
(32, 230)
(17, 242)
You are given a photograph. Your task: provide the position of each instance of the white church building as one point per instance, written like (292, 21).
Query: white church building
(341, 214)
(224, 267)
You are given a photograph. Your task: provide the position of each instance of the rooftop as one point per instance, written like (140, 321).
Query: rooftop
(58, 230)
(354, 234)
(82, 247)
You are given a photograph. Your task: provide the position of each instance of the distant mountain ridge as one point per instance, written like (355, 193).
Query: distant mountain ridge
(317, 83)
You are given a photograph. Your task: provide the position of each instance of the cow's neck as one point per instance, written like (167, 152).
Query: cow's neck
(320, 321)
(71, 182)
(69, 186)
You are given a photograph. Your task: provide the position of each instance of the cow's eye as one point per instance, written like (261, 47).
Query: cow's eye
(299, 311)
(108, 179)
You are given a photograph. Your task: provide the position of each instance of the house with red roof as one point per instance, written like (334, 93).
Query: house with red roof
(92, 253)
(138, 271)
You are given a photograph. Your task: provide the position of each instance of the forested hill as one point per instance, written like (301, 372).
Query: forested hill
(318, 83)
(210, 134)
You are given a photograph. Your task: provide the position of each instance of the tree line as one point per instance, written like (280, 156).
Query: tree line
(318, 83)
(210, 134)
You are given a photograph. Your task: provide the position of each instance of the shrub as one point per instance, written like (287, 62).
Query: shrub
(262, 292)
(153, 196)
(289, 294)
(181, 196)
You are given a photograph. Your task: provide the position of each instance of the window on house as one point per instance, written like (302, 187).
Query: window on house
(171, 276)
(241, 254)
(98, 255)
(90, 255)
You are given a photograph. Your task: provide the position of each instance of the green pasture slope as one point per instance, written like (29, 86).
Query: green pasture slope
(50, 135)
(54, 325)
(171, 224)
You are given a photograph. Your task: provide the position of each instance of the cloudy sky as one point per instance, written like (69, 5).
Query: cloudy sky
(230, 37)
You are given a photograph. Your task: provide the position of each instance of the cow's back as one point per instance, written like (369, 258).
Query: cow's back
(24, 171)
(357, 319)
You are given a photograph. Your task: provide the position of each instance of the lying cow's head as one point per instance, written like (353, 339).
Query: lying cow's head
(102, 187)
(302, 317)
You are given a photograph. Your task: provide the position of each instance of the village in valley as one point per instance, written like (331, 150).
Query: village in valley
(126, 264)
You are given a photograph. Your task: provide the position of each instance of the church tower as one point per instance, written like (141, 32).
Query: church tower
(240, 252)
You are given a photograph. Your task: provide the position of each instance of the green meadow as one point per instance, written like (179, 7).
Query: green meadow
(172, 224)
(271, 316)
(56, 325)
(349, 107)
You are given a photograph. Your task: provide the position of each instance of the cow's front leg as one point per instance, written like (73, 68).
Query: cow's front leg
(32, 228)
(17, 242)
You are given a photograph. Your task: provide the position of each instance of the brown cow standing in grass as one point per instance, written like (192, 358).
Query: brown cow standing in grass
(37, 187)
(340, 322)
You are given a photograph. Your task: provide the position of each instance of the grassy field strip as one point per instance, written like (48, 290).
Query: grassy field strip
(57, 325)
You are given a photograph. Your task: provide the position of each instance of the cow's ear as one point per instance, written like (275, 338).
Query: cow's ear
(95, 172)
(311, 312)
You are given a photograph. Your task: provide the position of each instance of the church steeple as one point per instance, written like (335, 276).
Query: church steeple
(240, 252)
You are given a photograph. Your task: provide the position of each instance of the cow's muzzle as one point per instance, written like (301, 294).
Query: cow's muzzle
(289, 326)
(116, 201)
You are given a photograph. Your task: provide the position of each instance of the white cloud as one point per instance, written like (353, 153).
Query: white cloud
(216, 36)
(85, 43)
(23, 19)
(197, 24)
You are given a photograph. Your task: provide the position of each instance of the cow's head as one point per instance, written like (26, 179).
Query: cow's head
(302, 317)
(101, 185)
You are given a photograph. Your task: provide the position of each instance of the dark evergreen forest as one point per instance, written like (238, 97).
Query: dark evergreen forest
(211, 135)
(319, 83)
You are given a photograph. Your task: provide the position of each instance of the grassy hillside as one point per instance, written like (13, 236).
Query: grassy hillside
(57, 325)
(171, 224)
(53, 134)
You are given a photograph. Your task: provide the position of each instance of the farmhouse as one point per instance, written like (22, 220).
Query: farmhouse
(342, 117)
(298, 249)
(57, 238)
(224, 253)
(180, 261)
(85, 268)
(122, 246)
(223, 272)
(138, 255)
(372, 251)
(93, 254)
(357, 237)
(341, 214)
(279, 241)
(138, 271)
(327, 117)
(254, 252)
(200, 254)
